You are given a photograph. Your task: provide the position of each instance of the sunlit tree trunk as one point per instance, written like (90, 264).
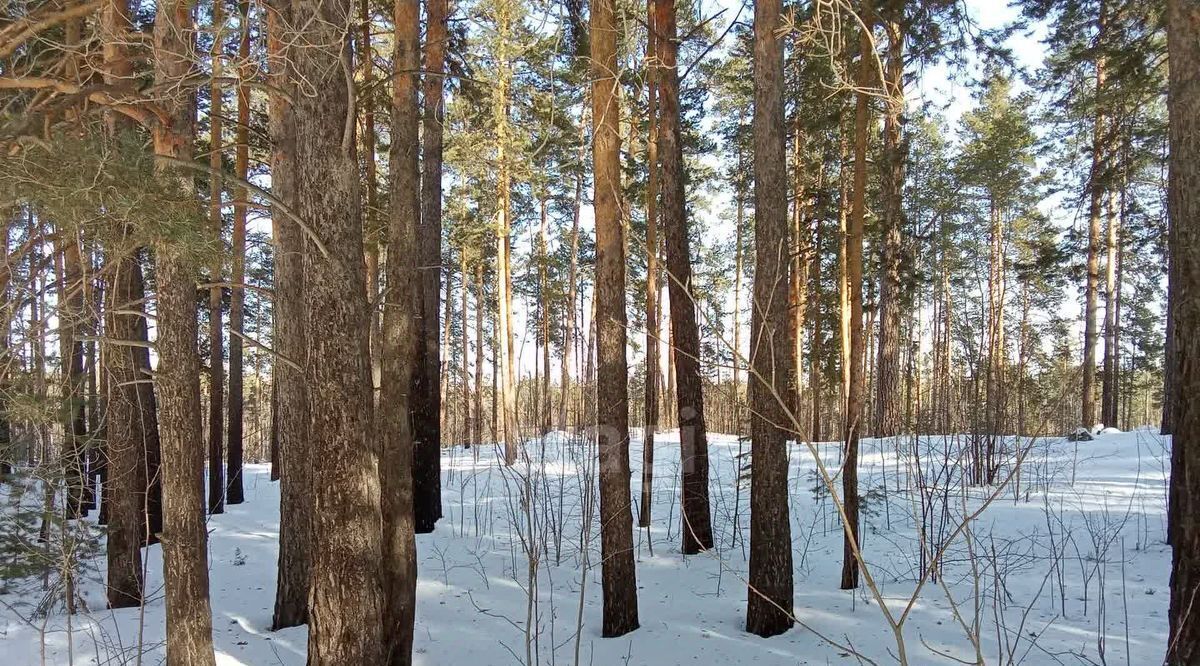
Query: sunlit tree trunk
(1109, 391)
(500, 110)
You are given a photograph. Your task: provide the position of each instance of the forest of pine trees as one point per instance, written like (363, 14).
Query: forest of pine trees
(672, 251)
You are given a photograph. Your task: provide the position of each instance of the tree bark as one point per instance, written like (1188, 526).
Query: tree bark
(291, 394)
(126, 482)
(74, 382)
(427, 467)
(854, 271)
(1097, 182)
(693, 437)
(177, 381)
(216, 343)
(569, 329)
(500, 109)
(770, 593)
(477, 440)
(645, 508)
(612, 416)
(1183, 39)
(1108, 394)
(887, 383)
(543, 307)
(816, 344)
(404, 347)
(345, 597)
(234, 493)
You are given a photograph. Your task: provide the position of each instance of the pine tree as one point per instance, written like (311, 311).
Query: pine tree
(346, 605)
(177, 380)
(427, 477)
(685, 336)
(234, 493)
(404, 346)
(769, 604)
(1183, 29)
(290, 410)
(612, 412)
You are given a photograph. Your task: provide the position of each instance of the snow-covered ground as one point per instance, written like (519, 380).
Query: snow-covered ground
(1066, 565)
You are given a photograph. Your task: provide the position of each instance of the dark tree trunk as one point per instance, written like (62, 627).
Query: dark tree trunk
(769, 595)
(177, 381)
(148, 404)
(612, 415)
(1183, 37)
(569, 328)
(854, 283)
(345, 597)
(1110, 384)
(816, 344)
(1168, 404)
(887, 421)
(126, 483)
(427, 465)
(216, 342)
(237, 273)
(404, 348)
(74, 382)
(652, 305)
(1097, 181)
(7, 312)
(477, 439)
(693, 437)
(291, 413)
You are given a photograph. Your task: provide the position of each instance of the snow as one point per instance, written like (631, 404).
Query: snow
(1066, 564)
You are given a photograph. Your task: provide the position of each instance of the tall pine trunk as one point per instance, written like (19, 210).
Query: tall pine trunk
(73, 379)
(693, 436)
(569, 327)
(854, 280)
(612, 413)
(887, 421)
(427, 468)
(1183, 38)
(216, 343)
(1097, 181)
(507, 418)
(1109, 385)
(177, 380)
(345, 597)
(126, 437)
(126, 482)
(234, 493)
(769, 602)
(651, 391)
(403, 347)
(291, 395)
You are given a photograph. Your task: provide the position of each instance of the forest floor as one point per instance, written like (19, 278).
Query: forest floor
(1063, 563)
